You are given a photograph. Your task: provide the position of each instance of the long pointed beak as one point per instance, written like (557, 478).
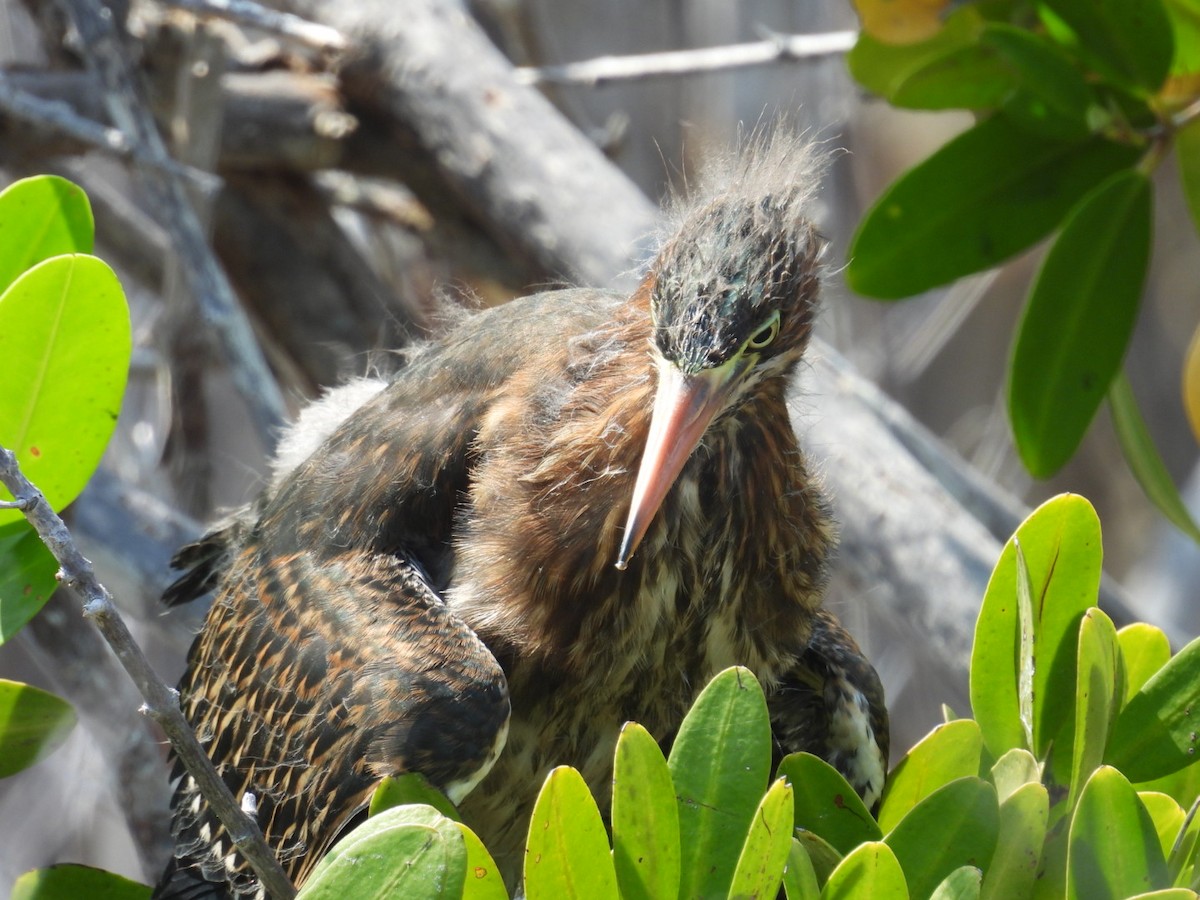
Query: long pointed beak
(683, 408)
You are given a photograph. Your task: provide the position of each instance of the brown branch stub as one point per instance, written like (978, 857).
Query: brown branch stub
(161, 701)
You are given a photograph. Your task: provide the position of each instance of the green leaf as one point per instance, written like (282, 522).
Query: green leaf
(1183, 785)
(765, 853)
(411, 787)
(1053, 98)
(1166, 894)
(567, 853)
(961, 884)
(27, 579)
(1026, 642)
(69, 880)
(41, 217)
(826, 804)
(720, 763)
(483, 878)
(823, 856)
(408, 851)
(1061, 544)
(950, 70)
(645, 818)
(1024, 816)
(1187, 153)
(1078, 321)
(1144, 650)
(872, 870)
(1167, 816)
(64, 357)
(948, 752)
(966, 816)
(1099, 692)
(800, 878)
(1156, 732)
(1113, 848)
(988, 194)
(1012, 771)
(32, 725)
(1131, 41)
(1145, 463)
(1185, 22)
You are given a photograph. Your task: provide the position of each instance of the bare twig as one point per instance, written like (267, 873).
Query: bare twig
(161, 702)
(208, 284)
(774, 49)
(284, 24)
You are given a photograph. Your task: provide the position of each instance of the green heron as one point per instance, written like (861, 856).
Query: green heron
(567, 513)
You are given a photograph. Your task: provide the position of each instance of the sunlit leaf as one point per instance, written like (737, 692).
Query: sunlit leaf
(33, 723)
(411, 787)
(989, 193)
(1012, 771)
(1099, 693)
(966, 812)
(567, 854)
(948, 752)
(826, 804)
(64, 356)
(68, 880)
(1167, 816)
(41, 217)
(1191, 378)
(1144, 650)
(1114, 850)
(1062, 548)
(1014, 866)
(800, 878)
(483, 879)
(645, 818)
(720, 763)
(764, 855)
(1156, 732)
(872, 870)
(961, 884)
(1078, 321)
(822, 855)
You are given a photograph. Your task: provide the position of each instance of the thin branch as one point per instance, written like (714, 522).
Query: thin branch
(106, 57)
(776, 48)
(161, 702)
(284, 24)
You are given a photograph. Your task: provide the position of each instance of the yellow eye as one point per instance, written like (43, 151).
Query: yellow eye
(767, 333)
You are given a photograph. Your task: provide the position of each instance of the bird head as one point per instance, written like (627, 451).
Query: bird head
(732, 298)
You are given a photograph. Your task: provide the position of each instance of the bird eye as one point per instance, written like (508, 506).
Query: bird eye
(765, 335)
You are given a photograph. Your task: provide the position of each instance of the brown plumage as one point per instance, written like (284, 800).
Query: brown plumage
(600, 495)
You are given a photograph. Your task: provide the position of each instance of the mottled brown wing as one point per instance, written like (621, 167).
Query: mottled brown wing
(831, 704)
(312, 679)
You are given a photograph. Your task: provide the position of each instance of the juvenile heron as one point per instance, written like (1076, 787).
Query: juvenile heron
(567, 513)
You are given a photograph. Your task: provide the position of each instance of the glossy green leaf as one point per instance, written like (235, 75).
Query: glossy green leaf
(988, 194)
(408, 851)
(1099, 693)
(1078, 321)
(764, 855)
(483, 879)
(1183, 785)
(1113, 848)
(800, 878)
(822, 855)
(411, 787)
(1131, 41)
(567, 855)
(1167, 816)
(41, 217)
(1187, 155)
(1053, 98)
(1012, 771)
(64, 357)
(1051, 881)
(1167, 894)
(720, 763)
(872, 870)
(948, 752)
(1061, 544)
(33, 723)
(68, 880)
(966, 816)
(645, 818)
(27, 579)
(1144, 461)
(1144, 650)
(961, 884)
(1156, 732)
(1185, 22)
(826, 804)
(950, 70)
(1024, 816)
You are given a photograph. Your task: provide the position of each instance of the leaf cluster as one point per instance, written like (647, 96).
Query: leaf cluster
(1077, 102)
